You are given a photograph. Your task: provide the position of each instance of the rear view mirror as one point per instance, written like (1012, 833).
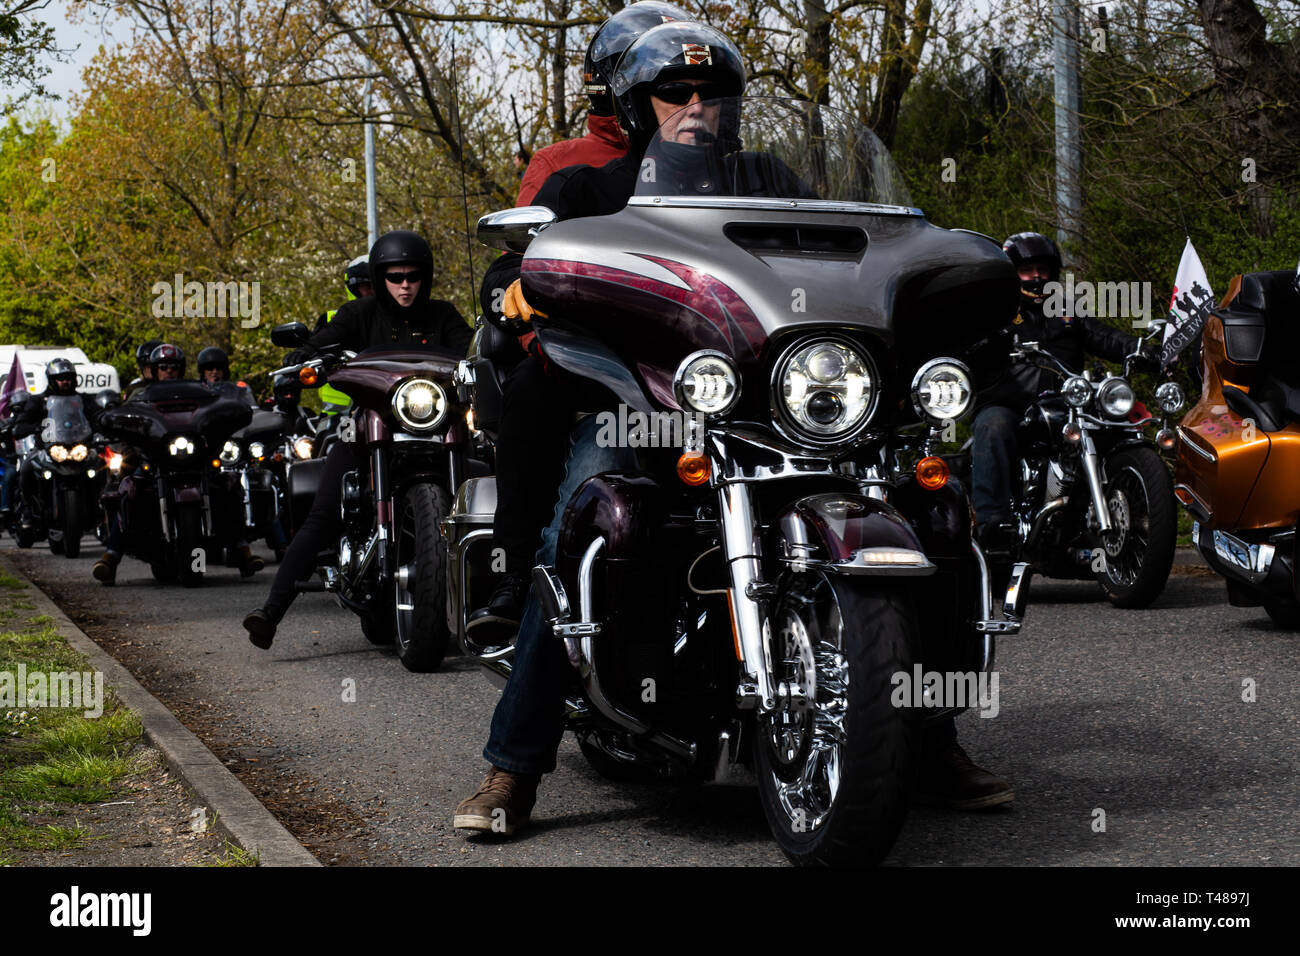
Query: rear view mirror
(513, 229)
(290, 335)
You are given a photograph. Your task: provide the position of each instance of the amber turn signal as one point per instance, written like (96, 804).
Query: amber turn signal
(932, 473)
(693, 468)
(307, 375)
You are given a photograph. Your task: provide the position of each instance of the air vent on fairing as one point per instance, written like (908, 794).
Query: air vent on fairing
(798, 239)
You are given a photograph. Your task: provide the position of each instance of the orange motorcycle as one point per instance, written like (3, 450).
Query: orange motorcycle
(1238, 467)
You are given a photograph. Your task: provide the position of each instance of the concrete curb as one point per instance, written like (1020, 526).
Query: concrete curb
(238, 813)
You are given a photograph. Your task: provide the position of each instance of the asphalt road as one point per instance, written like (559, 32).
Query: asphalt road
(1135, 713)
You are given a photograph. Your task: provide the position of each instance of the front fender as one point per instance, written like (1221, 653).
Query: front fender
(849, 534)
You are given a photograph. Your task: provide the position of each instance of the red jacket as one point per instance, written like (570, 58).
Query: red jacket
(604, 142)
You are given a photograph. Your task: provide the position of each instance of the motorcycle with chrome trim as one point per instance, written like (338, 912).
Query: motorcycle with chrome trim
(1239, 445)
(1093, 498)
(412, 442)
(749, 597)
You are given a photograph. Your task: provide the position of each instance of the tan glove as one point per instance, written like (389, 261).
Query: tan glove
(515, 308)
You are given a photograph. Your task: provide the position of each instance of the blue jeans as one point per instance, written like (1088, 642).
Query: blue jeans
(528, 722)
(993, 455)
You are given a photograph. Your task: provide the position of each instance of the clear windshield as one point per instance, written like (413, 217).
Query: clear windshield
(766, 147)
(66, 422)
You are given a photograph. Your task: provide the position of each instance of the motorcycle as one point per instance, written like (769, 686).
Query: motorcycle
(176, 505)
(1239, 446)
(67, 457)
(754, 594)
(1092, 498)
(390, 564)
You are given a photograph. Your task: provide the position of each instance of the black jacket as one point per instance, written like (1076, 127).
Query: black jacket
(1071, 340)
(32, 419)
(362, 324)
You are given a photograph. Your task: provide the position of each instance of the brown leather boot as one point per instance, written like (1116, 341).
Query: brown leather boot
(502, 803)
(951, 779)
(105, 569)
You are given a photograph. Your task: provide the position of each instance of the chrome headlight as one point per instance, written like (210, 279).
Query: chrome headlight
(1077, 391)
(303, 447)
(420, 404)
(707, 382)
(1169, 397)
(78, 452)
(826, 390)
(58, 453)
(256, 450)
(1115, 398)
(181, 447)
(229, 452)
(942, 391)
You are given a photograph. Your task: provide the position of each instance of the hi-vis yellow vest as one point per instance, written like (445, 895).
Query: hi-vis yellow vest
(327, 394)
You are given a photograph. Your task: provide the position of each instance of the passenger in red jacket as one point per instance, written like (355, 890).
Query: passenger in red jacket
(604, 140)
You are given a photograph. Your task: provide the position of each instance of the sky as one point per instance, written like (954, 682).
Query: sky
(80, 42)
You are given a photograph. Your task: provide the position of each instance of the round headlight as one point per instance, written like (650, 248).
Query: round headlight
(1115, 397)
(1169, 397)
(257, 450)
(941, 391)
(1077, 391)
(229, 452)
(78, 452)
(826, 390)
(181, 447)
(707, 382)
(420, 404)
(58, 453)
(303, 448)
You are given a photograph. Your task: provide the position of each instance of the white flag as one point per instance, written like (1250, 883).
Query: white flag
(1189, 305)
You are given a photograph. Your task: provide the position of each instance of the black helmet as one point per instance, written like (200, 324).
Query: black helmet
(144, 351)
(613, 37)
(213, 357)
(356, 275)
(671, 51)
(400, 247)
(1027, 248)
(167, 354)
(18, 399)
(61, 377)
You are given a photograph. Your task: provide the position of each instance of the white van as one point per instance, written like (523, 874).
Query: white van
(92, 377)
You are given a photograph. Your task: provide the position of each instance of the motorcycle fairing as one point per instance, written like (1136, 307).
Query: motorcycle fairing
(837, 530)
(589, 358)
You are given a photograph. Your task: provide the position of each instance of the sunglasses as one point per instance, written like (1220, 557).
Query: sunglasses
(679, 94)
(169, 366)
(399, 278)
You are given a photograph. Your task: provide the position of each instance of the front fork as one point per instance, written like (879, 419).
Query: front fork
(742, 550)
(381, 481)
(1092, 470)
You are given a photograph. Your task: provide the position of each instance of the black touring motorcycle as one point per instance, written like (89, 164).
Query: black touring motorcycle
(389, 567)
(754, 595)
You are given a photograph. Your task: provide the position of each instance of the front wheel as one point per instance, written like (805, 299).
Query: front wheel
(420, 591)
(1285, 614)
(835, 778)
(1139, 548)
(72, 511)
(190, 559)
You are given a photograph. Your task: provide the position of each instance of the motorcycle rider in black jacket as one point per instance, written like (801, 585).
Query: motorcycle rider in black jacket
(400, 315)
(1009, 389)
(61, 380)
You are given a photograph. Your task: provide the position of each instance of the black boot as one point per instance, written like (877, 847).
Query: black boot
(500, 619)
(105, 569)
(950, 778)
(249, 563)
(260, 624)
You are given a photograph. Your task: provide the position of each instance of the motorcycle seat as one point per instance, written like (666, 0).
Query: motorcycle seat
(1249, 408)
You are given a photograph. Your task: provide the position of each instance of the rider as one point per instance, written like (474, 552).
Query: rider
(142, 353)
(604, 140)
(1002, 404)
(400, 314)
(214, 372)
(61, 380)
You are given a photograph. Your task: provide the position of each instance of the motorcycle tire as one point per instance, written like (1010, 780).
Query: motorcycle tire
(162, 572)
(72, 523)
(378, 628)
(1285, 614)
(848, 808)
(56, 544)
(419, 609)
(1141, 469)
(189, 538)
